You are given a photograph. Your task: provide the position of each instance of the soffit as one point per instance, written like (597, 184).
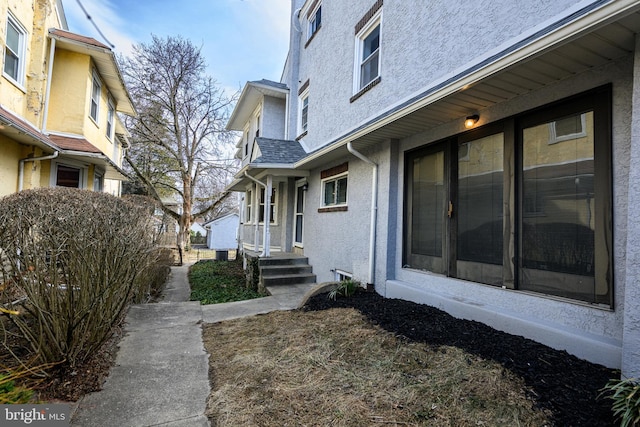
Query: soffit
(608, 41)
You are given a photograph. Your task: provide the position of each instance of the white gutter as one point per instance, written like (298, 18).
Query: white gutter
(31, 159)
(374, 210)
(266, 239)
(45, 113)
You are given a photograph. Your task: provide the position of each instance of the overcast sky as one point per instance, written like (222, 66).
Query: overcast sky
(242, 40)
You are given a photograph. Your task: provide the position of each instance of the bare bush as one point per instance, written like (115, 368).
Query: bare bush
(80, 257)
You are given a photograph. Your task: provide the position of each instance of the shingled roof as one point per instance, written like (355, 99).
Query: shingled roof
(278, 151)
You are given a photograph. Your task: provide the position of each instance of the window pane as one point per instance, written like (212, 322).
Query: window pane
(341, 197)
(371, 43)
(13, 38)
(68, 177)
(11, 64)
(558, 213)
(428, 204)
(305, 113)
(329, 192)
(480, 210)
(369, 70)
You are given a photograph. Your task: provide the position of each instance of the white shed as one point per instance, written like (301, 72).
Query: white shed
(222, 232)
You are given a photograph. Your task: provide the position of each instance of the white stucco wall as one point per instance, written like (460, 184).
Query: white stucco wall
(445, 35)
(273, 116)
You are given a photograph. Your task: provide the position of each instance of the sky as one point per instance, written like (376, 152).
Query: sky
(241, 40)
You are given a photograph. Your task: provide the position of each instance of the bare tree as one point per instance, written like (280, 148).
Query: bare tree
(178, 136)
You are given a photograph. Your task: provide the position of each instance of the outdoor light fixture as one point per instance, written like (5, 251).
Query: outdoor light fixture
(471, 120)
(305, 186)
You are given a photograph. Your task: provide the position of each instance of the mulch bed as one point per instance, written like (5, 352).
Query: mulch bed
(557, 381)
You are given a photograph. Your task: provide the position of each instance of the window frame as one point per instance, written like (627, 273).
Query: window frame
(248, 206)
(111, 116)
(274, 205)
(20, 56)
(314, 21)
(359, 61)
(96, 86)
(303, 125)
(335, 178)
(83, 171)
(600, 292)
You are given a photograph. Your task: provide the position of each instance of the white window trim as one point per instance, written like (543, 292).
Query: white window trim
(98, 174)
(95, 78)
(311, 21)
(359, 42)
(248, 206)
(22, 54)
(301, 128)
(300, 183)
(111, 124)
(245, 140)
(84, 172)
(334, 178)
(341, 275)
(554, 138)
(274, 202)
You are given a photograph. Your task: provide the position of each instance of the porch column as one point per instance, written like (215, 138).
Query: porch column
(256, 217)
(631, 328)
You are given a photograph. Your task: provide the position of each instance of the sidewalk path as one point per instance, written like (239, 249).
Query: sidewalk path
(161, 373)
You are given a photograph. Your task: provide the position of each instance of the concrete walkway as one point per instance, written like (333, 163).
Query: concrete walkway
(161, 374)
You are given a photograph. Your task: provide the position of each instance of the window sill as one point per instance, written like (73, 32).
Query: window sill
(14, 82)
(333, 209)
(302, 135)
(365, 89)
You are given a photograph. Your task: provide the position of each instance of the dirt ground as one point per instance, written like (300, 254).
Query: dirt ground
(559, 382)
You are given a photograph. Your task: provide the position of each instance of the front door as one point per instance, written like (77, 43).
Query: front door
(299, 214)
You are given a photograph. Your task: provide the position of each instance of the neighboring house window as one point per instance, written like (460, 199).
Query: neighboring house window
(539, 221)
(272, 212)
(258, 126)
(334, 188)
(98, 182)
(68, 176)
(315, 21)
(367, 58)
(15, 51)
(111, 111)
(96, 88)
(246, 143)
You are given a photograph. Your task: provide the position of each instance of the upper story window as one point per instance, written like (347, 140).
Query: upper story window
(246, 143)
(111, 111)
(96, 88)
(367, 51)
(304, 112)
(15, 51)
(315, 21)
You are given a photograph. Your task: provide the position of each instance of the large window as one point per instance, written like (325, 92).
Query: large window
(368, 55)
(525, 203)
(272, 206)
(15, 51)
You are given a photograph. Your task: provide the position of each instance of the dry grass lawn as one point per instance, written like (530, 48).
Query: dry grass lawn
(333, 368)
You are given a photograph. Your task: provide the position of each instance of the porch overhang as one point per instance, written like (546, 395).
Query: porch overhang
(260, 171)
(81, 150)
(589, 35)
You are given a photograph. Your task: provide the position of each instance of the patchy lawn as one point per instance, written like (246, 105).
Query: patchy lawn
(366, 361)
(214, 282)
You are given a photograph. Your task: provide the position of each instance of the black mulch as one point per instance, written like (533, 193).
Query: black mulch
(558, 381)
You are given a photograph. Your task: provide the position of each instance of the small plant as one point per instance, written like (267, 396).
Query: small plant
(345, 288)
(12, 394)
(626, 400)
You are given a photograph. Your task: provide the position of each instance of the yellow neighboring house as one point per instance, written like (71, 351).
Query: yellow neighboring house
(59, 94)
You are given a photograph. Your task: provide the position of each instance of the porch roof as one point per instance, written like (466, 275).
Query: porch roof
(78, 148)
(587, 36)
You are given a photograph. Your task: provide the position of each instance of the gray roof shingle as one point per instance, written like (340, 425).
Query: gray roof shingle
(279, 151)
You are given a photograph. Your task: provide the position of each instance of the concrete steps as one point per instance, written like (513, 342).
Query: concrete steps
(285, 270)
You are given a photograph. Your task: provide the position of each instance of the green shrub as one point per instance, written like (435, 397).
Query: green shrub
(214, 282)
(625, 394)
(345, 288)
(80, 258)
(12, 394)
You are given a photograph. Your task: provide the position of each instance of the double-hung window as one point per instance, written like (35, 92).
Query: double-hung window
(111, 111)
(524, 203)
(304, 112)
(248, 201)
(335, 191)
(15, 51)
(367, 54)
(96, 88)
(272, 206)
(315, 21)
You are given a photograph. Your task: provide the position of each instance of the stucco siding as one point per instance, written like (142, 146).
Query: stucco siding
(273, 118)
(68, 105)
(11, 155)
(444, 36)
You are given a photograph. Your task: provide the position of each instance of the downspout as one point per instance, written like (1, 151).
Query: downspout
(266, 239)
(45, 113)
(374, 211)
(31, 159)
